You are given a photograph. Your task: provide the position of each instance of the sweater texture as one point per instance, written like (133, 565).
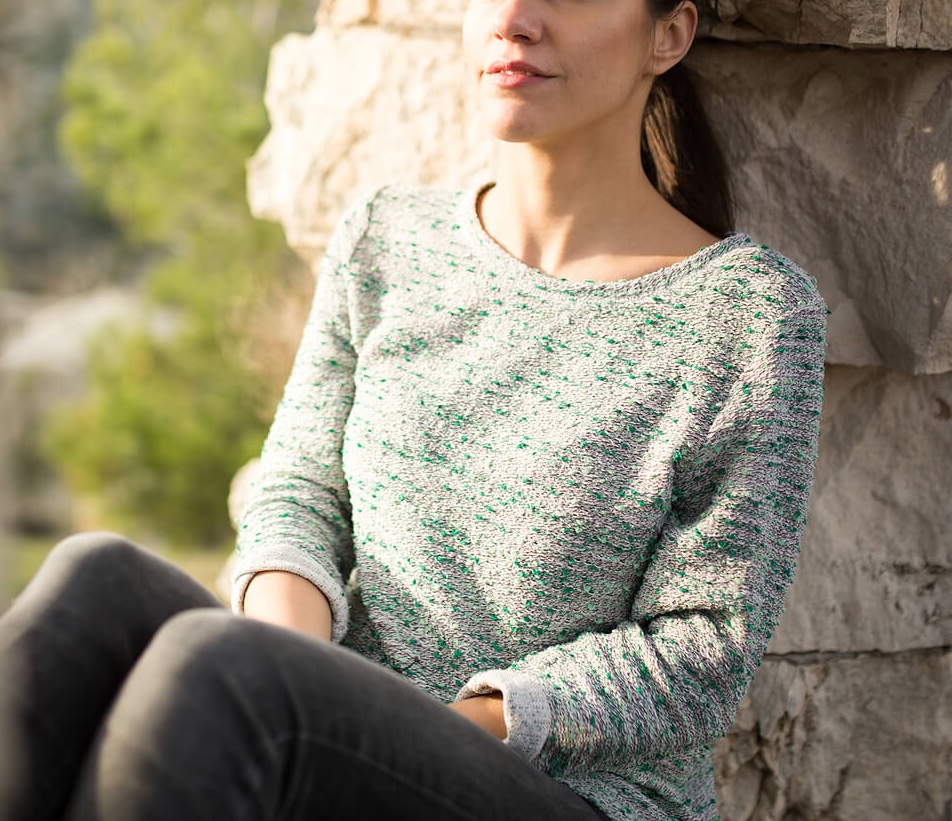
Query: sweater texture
(586, 495)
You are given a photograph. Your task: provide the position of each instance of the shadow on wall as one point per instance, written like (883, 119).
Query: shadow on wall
(841, 160)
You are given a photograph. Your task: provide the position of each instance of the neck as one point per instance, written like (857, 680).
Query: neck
(579, 211)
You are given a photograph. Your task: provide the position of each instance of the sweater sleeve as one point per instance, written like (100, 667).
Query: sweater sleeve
(712, 593)
(297, 518)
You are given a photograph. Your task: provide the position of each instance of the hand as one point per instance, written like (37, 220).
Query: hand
(485, 711)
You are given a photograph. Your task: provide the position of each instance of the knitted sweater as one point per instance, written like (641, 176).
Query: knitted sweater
(586, 495)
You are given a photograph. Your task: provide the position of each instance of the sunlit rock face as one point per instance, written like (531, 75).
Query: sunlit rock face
(377, 94)
(836, 118)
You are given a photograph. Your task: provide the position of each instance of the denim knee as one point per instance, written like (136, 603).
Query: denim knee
(214, 651)
(95, 550)
(208, 643)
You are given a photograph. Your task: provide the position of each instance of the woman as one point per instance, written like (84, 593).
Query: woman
(545, 454)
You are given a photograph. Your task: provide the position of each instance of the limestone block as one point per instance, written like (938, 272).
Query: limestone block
(843, 160)
(875, 571)
(355, 107)
(430, 16)
(854, 739)
(925, 24)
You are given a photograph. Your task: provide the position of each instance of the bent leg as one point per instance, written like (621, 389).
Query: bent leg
(66, 644)
(225, 717)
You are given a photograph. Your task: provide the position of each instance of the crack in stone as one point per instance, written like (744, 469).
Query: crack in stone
(806, 657)
(837, 798)
(910, 569)
(894, 9)
(919, 30)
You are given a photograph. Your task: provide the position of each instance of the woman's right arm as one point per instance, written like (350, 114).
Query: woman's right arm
(287, 600)
(295, 540)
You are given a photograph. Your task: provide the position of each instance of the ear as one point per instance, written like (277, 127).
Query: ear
(673, 36)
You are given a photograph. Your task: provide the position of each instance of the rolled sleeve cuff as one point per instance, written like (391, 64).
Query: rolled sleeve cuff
(525, 705)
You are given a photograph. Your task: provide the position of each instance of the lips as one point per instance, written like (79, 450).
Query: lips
(518, 68)
(515, 75)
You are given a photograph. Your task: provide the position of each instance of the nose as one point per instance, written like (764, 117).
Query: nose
(519, 21)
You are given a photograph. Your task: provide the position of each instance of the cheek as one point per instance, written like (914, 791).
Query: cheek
(623, 40)
(622, 58)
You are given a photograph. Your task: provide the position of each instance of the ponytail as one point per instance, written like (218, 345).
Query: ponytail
(681, 156)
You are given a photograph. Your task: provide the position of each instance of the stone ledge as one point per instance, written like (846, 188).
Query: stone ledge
(905, 24)
(909, 24)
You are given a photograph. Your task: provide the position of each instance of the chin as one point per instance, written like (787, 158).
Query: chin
(514, 130)
(514, 137)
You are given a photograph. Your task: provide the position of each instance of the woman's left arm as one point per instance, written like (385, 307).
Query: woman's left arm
(671, 677)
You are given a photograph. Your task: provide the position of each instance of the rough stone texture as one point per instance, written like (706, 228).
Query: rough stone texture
(426, 17)
(912, 24)
(876, 565)
(925, 24)
(843, 161)
(325, 145)
(867, 738)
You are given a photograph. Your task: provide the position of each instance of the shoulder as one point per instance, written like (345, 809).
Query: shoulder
(407, 208)
(390, 210)
(399, 202)
(749, 301)
(387, 216)
(761, 277)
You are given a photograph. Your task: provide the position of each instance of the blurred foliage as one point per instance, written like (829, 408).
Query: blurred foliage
(163, 107)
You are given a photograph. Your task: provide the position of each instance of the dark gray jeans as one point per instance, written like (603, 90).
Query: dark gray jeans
(138, 698)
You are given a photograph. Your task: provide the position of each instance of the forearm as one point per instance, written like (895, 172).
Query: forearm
(288, 600)
(485, 711)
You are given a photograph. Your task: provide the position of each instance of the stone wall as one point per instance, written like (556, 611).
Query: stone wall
(839, 118)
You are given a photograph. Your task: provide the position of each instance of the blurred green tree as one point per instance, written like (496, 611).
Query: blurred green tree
(163, 107)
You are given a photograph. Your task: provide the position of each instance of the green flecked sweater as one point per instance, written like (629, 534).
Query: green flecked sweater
(586, 495)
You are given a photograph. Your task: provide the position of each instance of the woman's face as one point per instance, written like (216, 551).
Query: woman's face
(547, 70)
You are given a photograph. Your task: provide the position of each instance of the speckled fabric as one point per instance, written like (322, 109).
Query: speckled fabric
(586, 495)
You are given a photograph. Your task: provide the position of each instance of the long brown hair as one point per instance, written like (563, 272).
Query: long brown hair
(679, 150)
